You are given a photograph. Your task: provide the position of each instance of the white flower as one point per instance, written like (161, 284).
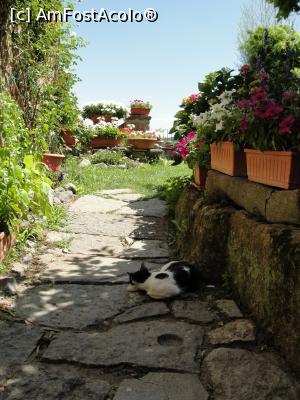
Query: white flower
(88, 123)
(220, 126)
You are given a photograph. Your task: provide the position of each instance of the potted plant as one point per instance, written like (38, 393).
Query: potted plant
(68, 137)
(194, 150)
(105, 135)
(54, 158)
(106, 110)
(271, 107)
(7, 240)
(273, 134)
(139, 107)
(222, 125)
(142, 140)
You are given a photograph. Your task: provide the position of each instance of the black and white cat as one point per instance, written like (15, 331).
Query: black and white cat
(174, 278)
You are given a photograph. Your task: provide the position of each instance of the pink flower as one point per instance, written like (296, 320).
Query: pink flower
(244, 103)
(259, 95)
(191, 135)
(245, 68)
(194, 97)
(268, 110)
(53, 167)
(286, 125)
(182, 148)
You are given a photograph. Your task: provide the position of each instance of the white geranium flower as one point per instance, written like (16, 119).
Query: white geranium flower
(220, 126)
(88, 123)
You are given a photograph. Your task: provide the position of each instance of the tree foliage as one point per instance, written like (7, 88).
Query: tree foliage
(286, 7)
(36, 101)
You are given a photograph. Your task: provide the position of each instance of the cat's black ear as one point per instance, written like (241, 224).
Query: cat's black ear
(143, 267)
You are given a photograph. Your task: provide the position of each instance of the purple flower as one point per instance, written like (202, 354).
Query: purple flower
(60, 177)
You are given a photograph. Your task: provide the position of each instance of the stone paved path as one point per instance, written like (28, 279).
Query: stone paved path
(77, 334)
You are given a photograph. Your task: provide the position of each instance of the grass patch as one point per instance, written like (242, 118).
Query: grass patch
(147, 179)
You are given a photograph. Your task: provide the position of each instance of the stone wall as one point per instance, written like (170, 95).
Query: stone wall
(262, 260)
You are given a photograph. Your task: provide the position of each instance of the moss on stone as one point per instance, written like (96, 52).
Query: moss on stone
(263, 261)
(204, 241)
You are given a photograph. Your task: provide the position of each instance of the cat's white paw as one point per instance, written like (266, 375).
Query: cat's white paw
(132, 288)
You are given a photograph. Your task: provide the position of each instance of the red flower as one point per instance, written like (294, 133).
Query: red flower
(286, 125)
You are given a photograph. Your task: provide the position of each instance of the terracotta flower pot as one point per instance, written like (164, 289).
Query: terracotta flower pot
(140, 111)
(225, 158)
(142, 144)
(98, 143)
(53, 161)
(68, 138)
(6, 243)
(199, 175)
(274, 168)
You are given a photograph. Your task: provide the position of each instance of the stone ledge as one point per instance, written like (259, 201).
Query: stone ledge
(274, 205)
(261, 260)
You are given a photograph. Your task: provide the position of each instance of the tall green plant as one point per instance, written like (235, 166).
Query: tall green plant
(41, 77)
(285, 7)
(275, 51)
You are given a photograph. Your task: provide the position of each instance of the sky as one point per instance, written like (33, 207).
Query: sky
(161, 62)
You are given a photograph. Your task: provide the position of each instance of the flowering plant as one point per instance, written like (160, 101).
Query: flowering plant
(193, 150)
(144, 135)
(112, 109)
(212, 86)
(270, 124)
(223, 121)
(87, 130)
(140, 104)
(191, 99)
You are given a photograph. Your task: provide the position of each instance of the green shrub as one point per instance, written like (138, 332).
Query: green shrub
(276, 51)
(172, 190)
(107, 131)
(24, 186)
(110, 157)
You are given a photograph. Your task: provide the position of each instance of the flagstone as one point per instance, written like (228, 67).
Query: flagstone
(75, 306)
(117, 225)
(171, 345)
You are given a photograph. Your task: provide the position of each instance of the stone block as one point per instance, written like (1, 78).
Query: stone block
(264, 265)
(236, 374)
(284, 207)
(169, 345)
(162, 386)
(250, 196)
